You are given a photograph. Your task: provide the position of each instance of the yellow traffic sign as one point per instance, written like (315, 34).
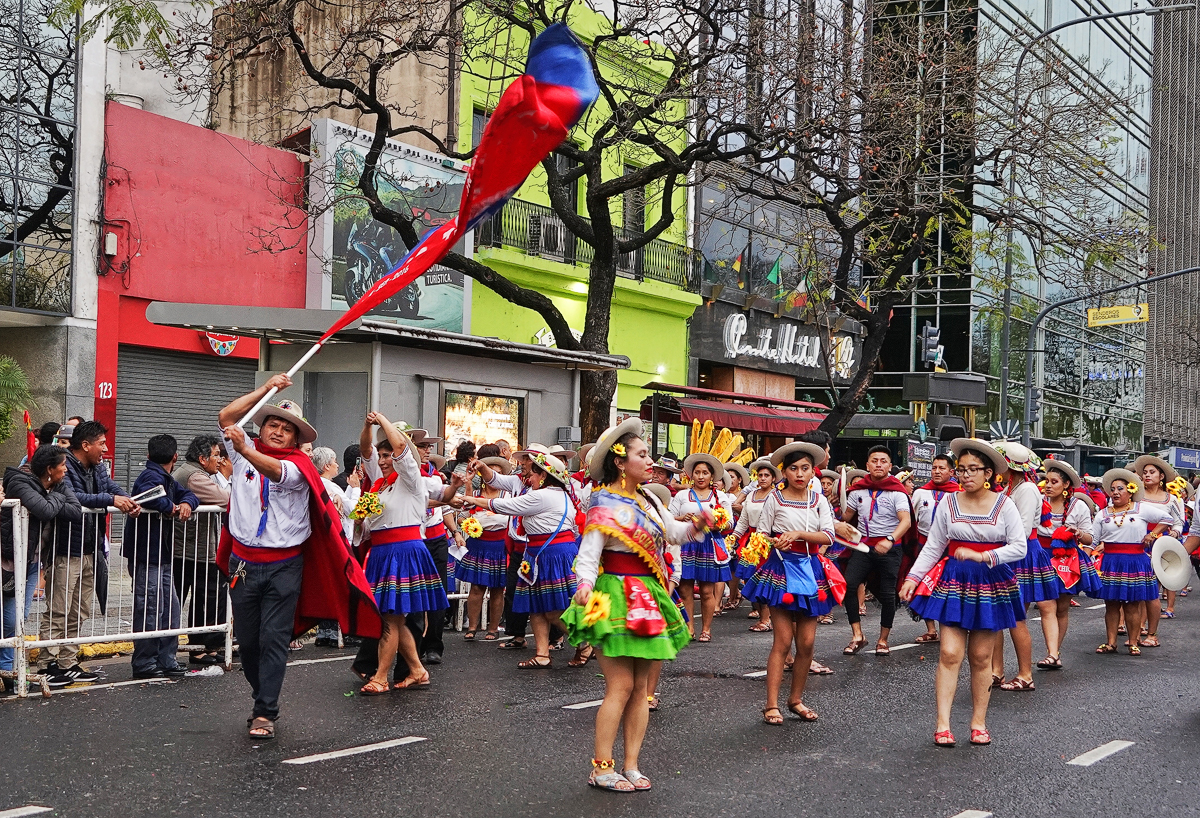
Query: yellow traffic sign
(1121, 314)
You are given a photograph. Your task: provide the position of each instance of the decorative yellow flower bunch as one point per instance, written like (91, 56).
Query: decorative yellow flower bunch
(1178, 487)
(618, 449)
(524, 566)
(598, 607)
(730, 541)
(472, 528)
(369, 505)
(757, 549)
(721, 518)
(1133, 487)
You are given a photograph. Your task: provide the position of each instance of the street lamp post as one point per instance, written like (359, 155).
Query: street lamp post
(1006, 331)
(1027, 426)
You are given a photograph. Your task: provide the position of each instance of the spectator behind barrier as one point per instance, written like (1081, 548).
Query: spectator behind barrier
(198, 581)
(45, 492)
(155, 603)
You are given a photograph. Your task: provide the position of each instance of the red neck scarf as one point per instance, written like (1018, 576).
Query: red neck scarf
(869, 483)
(384, 482)
(948, 487)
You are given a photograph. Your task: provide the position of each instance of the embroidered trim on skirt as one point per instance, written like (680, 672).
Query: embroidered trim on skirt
(1127, 578)
(973, 596)
(485, 563)
(769, 585)
(1035, 575)
(555, 583)
(698, 562)
(404, 578)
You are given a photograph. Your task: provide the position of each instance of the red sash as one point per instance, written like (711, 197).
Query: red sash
(400, 533)
(542, 540)
(624, 564)
(929, 582)
(1124, 548)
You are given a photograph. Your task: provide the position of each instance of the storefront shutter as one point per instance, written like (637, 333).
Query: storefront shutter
(175, 393)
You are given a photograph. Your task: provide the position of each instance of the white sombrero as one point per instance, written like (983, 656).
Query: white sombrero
(500, 464)
(659, 491)
(1064, 468)
(605, 442)
(741, 472)
(1172, 566)
(999, 462)
(1162, 465)
(1112, 475)
(815, 452)
(764, 463)
(715, 466)
(290, 411)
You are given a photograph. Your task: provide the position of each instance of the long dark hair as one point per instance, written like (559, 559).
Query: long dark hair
(611, 473)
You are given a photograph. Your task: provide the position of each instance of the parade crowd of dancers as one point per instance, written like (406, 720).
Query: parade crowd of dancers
(617, 553)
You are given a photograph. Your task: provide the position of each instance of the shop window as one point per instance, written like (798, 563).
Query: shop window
(482, 419)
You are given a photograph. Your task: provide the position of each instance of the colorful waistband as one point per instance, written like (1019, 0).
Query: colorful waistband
(542, 540)
(978, 547)
(400, 533)
(624, 564)
(1124, 548)
(250, 553)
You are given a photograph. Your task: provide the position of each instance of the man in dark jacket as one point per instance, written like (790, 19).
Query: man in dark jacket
(74, 558)
(46, 494)
(148, 547)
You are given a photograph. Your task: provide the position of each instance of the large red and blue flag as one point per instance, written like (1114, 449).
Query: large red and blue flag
(533, 117)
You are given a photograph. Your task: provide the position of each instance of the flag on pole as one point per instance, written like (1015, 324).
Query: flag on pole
(30, 437)
(533, 117)
(773, 276)
(737, 268)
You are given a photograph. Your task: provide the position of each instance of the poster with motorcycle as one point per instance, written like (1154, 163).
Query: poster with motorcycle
(363, 250)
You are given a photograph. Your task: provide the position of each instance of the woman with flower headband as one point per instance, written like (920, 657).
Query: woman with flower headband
(622, 605)
(1125, 530)
(1161, 486)
(737, 485)
(1035, 575)
(794, 579)
(399, 567)
(546, 580)
(705, 559)
(485, 565)
(1063, 536)
(963, 580)
(766, 475)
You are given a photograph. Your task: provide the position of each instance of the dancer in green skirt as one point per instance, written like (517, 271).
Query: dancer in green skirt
(622, 606)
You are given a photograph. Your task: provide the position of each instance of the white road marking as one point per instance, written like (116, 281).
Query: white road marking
(1035, 619)
(353, 751)
(905, 646)
(31, 809)
(319, 661)
(973, 813)
(754, 674)
(82, 688)
(1094, 607)
(583, 705)
(1102, 752)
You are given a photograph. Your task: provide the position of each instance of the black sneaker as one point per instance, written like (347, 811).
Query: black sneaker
(56, 677)
(148, 674)
(176, 672)
(80, 674)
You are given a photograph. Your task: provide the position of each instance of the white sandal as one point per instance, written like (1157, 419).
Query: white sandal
(640, 782)
(605, 777)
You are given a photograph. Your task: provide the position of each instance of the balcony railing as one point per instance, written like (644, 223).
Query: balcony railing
(538, 231)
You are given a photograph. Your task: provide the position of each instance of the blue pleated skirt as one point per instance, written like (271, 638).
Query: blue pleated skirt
(769, 586)
(404, 578)
(485, 563)
(699, 561)
(555, 583)
(1127, 578)
(1035, 575)
(972, 596)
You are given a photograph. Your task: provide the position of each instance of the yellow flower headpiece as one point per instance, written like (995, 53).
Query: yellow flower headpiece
(1178, 487)
(1133, 487)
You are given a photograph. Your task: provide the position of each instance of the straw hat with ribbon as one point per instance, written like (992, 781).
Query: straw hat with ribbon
(1163, 466)
(812, 450)
(287, 410)
(1020, 458)
(999, 462)
(552, 466)
(764, 463)
(1130, 479)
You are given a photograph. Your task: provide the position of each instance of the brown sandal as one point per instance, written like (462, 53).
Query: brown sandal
(1016, 685)
(854, 647)
(775, 720)
(927, 638)
(803, 712)
(534, 663)
(1106, 648)
(261, 727)
(374, 688)
(412, 682)
(583, 654)
(761, 627)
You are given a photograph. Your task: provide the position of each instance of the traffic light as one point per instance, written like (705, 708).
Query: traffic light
(931, 349)
(1035, 406)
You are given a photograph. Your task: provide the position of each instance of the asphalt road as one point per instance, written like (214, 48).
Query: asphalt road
(497, 741)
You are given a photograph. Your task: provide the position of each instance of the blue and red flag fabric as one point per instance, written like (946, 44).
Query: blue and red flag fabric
(533, 117)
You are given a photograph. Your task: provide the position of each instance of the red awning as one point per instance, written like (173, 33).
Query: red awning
(740, 417)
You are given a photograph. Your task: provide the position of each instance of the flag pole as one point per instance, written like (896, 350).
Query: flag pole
(271, 392)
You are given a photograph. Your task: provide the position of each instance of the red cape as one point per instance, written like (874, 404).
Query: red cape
(888, 483)
(948, 486)
(334, 585)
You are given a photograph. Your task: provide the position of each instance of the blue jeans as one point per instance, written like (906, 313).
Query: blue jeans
(155, 608)
(10, 614)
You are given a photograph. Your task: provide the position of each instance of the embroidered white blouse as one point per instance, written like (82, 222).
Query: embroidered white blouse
(542, 511)
(1003, 524)
(751, 512)
(684, 503)
(1131, 525)
(779, 514)
(1076, 514)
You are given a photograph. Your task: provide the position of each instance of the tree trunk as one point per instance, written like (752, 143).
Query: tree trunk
(851, 397)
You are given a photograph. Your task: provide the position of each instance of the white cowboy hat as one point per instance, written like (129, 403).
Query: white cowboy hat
(999, 462)
(499, 464)
(741, 472)
(830, 474)
(1064, 468)
(715, 466)
(1172, 566)
(290, 411)
(1163, 466)
(764, 463)
(606, 441)
(811, 449)
(1083, 497)
(661, 492)
(1113, 475)
(585, 452)
(532, 449)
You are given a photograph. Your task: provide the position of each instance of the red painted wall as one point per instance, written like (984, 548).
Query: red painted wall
(201, 218)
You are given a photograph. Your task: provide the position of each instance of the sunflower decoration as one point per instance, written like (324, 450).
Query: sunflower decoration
(472, 528)
(757, 549)
(1133, 487)
(730, 542)
(720, 518)
(618, 449)
(1178, 487)
(598, 608)
(368, 505)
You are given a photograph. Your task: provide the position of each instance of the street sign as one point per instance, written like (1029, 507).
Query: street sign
(920, 460)
(1009, 431)
(1122, 314)
(1181, 458)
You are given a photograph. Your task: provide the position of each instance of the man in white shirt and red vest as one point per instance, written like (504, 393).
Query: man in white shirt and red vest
(284, 549)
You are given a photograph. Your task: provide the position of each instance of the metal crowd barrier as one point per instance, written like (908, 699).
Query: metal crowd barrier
(90, 591)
